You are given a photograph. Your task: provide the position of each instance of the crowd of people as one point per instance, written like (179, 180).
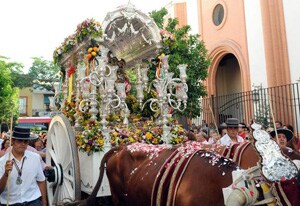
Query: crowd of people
(233, 131)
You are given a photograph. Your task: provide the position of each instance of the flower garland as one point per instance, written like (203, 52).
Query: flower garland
(119, 136)
(143, 131)
(167, 37)
(91, 139)
(69, 109)
(177, 135)
(89, 27)
(150, 133)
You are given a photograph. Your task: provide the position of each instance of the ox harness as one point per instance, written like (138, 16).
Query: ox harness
(171, 172)
(273, 168)
(235, 151)
(169, 176)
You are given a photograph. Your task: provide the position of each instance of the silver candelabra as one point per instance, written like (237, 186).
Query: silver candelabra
(112, 95)
(171, 92)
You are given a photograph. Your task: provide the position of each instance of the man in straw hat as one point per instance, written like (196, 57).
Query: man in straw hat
(21, 171)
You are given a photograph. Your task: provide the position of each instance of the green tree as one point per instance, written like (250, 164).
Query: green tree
(18, 77)
(183, 48)
(44, 74)
(8, 93)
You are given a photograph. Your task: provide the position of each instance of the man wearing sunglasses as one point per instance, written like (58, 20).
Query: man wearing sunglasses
(26, 179)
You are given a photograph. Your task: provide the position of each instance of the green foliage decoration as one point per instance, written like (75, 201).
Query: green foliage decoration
(183, 48)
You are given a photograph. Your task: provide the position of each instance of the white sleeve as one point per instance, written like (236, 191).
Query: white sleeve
(2, 166)
(40, 174)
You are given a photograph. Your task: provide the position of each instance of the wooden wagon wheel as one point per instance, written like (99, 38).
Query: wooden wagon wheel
(63, 185)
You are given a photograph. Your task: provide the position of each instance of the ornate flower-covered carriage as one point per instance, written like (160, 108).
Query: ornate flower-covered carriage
(94, 113)
(90, 105)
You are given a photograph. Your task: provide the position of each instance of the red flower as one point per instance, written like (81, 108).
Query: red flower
(71, 71)
(282, 179)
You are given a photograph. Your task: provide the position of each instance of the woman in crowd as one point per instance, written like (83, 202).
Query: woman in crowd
(213, 136)
(4, 146)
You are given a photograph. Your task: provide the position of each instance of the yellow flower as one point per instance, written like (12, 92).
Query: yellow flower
(148, 135)
(100, 141)
(90, 50)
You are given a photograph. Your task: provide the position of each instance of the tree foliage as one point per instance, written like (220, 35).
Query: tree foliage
(20, 79)
(183, 48)
(43, 74)
(8, 93)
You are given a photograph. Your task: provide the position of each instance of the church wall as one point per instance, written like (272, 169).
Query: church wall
(255, 43)
(192, 15)
(292, 18)
(228, 37)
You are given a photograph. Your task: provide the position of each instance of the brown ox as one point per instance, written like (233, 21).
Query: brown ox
(132, 174)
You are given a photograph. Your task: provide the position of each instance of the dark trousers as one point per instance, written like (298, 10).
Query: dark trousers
(36, 202)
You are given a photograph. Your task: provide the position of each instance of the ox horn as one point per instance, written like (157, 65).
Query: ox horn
(236, 198)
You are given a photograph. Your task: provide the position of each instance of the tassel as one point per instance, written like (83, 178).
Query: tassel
(70, 88)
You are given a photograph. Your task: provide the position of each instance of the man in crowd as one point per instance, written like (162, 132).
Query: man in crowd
(242, 130)
(232, 132)
(283, 136)
(278, 124)
(27, 180)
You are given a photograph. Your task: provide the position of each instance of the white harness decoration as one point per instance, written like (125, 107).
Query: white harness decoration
(274, 166)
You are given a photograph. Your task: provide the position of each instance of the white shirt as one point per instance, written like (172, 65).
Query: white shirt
(226, 140)
(32, 172)
(31, 149)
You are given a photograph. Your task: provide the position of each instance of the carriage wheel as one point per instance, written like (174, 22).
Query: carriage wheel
(63, 184)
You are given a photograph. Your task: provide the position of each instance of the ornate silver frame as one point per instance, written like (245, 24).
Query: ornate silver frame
(130, 35)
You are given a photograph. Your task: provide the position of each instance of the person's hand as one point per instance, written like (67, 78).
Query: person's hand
(8, 167)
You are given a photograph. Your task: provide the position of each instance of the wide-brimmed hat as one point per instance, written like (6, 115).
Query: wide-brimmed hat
(288, 133)
(23, 133)
(232, 122)
(223, 125)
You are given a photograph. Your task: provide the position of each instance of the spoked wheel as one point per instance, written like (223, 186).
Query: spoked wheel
(63, 182)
